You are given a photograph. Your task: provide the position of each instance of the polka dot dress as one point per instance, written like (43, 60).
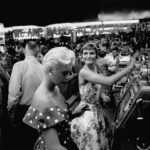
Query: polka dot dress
(53, 116)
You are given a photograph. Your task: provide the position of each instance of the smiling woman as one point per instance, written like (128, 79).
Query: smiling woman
(90, 131)
(89, 53)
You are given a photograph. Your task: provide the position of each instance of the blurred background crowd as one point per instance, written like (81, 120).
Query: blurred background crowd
(115, 47)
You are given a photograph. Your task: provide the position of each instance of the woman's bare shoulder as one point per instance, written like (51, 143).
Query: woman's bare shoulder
(41, 100)
(82, 73)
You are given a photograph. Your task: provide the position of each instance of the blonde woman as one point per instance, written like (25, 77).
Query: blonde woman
(49, 113)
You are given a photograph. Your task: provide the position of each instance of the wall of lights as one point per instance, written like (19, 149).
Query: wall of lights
(82, 28)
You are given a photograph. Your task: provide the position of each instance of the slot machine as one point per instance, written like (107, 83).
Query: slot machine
(129, 100)
(134, 96)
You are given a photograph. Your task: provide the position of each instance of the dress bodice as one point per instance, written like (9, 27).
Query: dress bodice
(90, 92)
(51, 117)
(46, 118)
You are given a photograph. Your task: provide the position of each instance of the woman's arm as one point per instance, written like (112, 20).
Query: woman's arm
(87, 75)
(51, 139)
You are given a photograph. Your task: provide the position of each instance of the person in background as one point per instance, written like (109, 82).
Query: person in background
(112, 60)
(49, 112)
(25, 78)
(89, 131)
(4, 118)
(39, 57)
(1, 116)
(101, 62)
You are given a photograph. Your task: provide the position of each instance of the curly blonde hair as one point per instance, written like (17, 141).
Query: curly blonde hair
(59, 56)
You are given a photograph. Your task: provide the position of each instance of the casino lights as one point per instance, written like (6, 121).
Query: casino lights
(82, 28)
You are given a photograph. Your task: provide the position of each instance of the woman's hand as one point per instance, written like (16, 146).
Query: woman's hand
(136, 54)
(133, 59)
(80, 111)
(106, 98)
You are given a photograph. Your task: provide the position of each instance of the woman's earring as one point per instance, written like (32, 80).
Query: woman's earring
(50, 74)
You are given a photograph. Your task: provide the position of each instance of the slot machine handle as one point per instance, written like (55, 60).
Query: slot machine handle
(130, 101)
(140, 75)
(132, 94)
(139, 100)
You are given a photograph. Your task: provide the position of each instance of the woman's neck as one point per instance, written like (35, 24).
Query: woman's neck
(91, 66)
(49, 84)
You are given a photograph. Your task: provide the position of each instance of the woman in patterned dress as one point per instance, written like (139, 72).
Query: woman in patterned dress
(89, 130)
(48, 112)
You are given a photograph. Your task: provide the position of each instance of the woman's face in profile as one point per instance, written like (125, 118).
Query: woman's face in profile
(89, 56)
(61, 74)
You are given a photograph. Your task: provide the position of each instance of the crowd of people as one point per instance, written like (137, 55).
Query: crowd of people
(39, 113)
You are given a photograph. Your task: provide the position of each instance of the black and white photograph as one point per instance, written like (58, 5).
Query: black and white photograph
(75, 75)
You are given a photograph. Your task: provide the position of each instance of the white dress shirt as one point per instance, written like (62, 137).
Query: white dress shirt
(26, 76)
(112, 61)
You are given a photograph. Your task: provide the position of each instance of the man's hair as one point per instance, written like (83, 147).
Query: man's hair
(32, 45)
